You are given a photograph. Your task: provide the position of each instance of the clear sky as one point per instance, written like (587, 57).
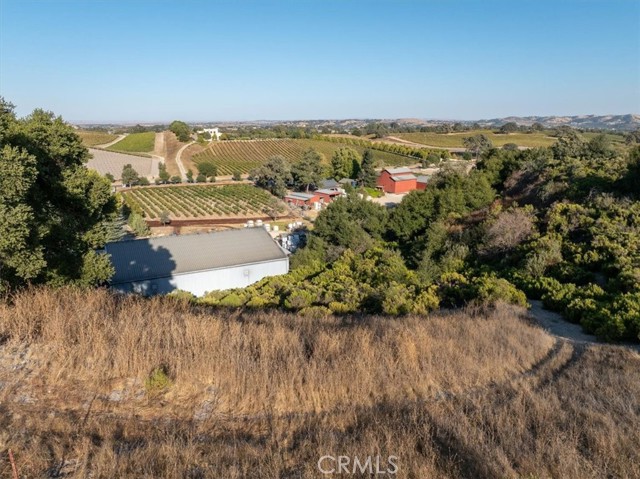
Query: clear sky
(142, 60)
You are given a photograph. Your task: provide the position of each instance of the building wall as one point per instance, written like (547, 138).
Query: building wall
(421, 186)
(404, 186)
(198, 283)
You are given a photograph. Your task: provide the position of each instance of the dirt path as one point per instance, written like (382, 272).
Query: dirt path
(107, 145)
(183, 171)
(555, 324)
(395, 139)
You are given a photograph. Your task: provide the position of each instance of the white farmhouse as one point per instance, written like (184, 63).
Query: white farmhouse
(196, 263)
(213, 132)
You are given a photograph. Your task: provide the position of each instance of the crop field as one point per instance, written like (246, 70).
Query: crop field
(454, 140)
(93, 138)
(199, 201)
(243, 156)
(136, 143)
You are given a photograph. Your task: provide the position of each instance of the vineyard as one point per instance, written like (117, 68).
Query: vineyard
(243, 156)
(198, 201)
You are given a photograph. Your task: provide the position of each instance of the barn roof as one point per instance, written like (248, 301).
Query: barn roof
(301, 196)
(408, 177)
(423, 179)
(143, 259)
(329, 192)
(398, 171)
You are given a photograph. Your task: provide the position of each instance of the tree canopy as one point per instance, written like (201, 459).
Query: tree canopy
(54, 212)
(274, 175)
(308, 171)
(181, 130)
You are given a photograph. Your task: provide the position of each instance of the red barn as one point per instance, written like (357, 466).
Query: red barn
(328, 195)
(310, 200)
(422, 182)
(397, 180)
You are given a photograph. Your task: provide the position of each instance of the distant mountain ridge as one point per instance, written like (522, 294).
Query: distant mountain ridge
(601, 122)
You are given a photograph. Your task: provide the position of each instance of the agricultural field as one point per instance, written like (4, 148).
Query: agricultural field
(454, 140)
(243, 156)
(94, 138)
(136, 143)
(199, 201)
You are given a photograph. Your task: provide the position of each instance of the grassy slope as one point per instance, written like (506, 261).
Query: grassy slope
(454, 140)
(93, 138)
(245, 155)
(136, 143)
(473, 394)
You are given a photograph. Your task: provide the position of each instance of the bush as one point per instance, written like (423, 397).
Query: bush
(158, 381)
(232, 300)
(490, 289)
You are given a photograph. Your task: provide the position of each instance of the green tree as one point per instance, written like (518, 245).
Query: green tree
(201, 178)
(163, 173)
(207, 169)
(345, 163)
(477, 143)
(138, 225)
(164, 217)
(189, 176)
(181, 130)
(53, 211)
(509, 127)
(367, 175)
(273, 176)
(308, 171)
(129, 175)
(237, 176)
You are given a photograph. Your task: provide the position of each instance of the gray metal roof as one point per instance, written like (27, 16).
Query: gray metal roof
(403, 177)
(329, 183)
(142, 259)
(423, 179)
(300, 196)
(398, 171)
(329, 192)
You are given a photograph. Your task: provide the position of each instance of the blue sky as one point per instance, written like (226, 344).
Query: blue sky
(143, 61)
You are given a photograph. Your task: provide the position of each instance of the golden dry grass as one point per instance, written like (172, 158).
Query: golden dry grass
(470, 394)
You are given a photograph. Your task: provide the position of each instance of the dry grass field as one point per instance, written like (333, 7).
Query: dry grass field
(473, 393)
(454, 140)
(94, 138)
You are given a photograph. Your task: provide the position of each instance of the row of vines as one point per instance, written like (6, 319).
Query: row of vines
(243, 156)
(198, 201)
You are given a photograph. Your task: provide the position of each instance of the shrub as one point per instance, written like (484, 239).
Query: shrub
(490, 289)
(232, 300)
(158, 381)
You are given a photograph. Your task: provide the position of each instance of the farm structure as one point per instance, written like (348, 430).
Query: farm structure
(422, 181)
(328, 195)
(213, 133)
(196, 263)
(397, 180)
(304, 200)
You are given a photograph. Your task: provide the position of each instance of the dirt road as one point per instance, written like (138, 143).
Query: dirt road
(111, 143)
(555, 324)
(183, 171)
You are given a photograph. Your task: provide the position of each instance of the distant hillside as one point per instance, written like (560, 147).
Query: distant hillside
(604, 122)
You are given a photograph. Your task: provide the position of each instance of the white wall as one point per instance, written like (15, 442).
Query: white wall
(200, 282)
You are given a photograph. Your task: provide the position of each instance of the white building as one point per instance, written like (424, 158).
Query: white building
(214, 132)
(196, 263)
